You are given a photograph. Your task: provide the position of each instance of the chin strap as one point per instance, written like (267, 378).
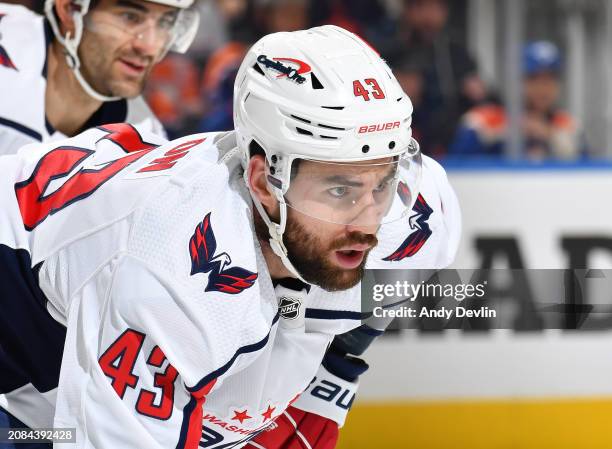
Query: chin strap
(276, 231)
(71, 46)
(85, 85)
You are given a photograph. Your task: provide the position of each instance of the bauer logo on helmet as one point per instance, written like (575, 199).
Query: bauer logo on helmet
(380, 127)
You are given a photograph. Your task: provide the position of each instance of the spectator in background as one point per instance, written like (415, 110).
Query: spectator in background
(222, 21)
(174, 95)
(437, 73)
(270, 16)
(364, 17)
(218, 87)
(282, 15)
(549, 132)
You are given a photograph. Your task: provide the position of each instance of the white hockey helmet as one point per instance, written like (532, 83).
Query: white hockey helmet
(183, 33)
(325, 96)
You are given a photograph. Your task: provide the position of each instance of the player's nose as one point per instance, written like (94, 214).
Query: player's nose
(364, 228)
(367, 220)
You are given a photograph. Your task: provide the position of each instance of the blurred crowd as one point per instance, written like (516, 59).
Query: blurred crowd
(456, 112)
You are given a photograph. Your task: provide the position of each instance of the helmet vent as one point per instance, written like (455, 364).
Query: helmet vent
(337, 108)
(258, 69)
(399, 99)
(303, 131)
(312, 128)
(300, 119)
(331, 127)
(316, 84)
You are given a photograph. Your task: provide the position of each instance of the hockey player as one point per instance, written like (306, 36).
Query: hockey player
(83, 65)
(194, 286)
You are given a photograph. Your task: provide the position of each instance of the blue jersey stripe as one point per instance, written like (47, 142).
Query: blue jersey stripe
(323, 314)
(21, 128)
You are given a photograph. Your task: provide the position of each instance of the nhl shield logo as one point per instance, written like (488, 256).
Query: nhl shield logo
(289, 307)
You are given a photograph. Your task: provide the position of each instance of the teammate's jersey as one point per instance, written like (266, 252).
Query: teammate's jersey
(140, 261)
(24, 41)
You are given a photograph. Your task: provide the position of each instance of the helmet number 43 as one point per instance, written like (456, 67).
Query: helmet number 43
(360, 91)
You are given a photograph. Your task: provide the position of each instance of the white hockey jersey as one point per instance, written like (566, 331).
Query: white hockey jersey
(24, 41)
(140, 261)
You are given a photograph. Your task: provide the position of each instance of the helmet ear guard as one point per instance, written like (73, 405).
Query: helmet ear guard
(186, 28)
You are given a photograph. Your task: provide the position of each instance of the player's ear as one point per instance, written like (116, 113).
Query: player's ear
(259, 184)
(64, 9)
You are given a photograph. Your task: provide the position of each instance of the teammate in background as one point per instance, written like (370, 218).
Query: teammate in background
(83, 65)
(194, 286)
(549, 132)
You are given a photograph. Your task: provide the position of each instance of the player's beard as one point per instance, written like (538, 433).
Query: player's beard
(311, 257)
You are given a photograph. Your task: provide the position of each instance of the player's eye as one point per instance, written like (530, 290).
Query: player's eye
(131, 18)
(383, 186)
(166, 23)
(338, 192)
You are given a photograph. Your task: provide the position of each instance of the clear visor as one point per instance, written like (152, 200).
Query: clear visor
(368, 193)
(160, 30)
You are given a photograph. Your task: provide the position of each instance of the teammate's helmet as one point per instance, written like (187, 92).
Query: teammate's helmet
(324, 95)
(182, 35)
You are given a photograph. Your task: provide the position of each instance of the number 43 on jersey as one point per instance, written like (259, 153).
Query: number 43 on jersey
(118, 363)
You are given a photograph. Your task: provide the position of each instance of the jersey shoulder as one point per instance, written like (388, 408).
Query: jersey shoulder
(202, 212)
(70, 188)
(140, 114)
(22, 46)
(23, 50)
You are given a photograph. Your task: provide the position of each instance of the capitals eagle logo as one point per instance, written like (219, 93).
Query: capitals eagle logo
(222, 277)
(418, 222)
(5, 59)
